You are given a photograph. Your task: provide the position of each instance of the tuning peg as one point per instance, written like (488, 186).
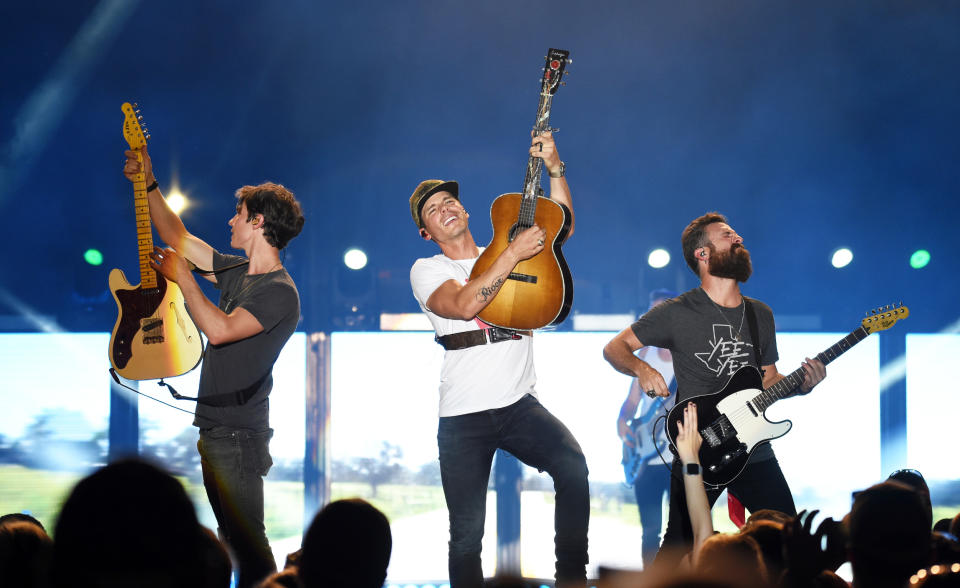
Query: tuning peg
(147, 136)
(139, 118)
(569, 61)
(135, 105)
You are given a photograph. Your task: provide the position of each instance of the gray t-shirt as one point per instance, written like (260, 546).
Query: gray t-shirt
(708, 343)
(245, 367)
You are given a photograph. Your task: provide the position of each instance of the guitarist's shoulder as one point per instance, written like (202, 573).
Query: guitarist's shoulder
(222, 260)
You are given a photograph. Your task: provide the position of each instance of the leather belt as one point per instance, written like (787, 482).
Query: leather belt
(467, 339)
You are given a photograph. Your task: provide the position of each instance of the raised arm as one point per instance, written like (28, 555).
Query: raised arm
(169, 226)
(559, 189)
(688, 448)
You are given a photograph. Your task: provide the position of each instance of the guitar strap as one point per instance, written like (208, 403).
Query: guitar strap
(754, 332)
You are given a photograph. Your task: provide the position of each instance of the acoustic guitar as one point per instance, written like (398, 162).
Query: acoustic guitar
(732, 421)
(153, 337)
(539, 291)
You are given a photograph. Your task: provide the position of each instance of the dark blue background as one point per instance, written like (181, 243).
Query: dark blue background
(812, 125)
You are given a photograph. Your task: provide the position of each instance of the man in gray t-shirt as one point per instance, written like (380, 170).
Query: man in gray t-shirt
(258, 311)
(707, 331)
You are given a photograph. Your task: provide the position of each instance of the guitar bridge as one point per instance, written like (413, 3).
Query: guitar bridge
(152, 330)
(522, 278)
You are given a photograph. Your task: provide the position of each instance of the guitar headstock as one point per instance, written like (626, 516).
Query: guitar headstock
(135, 135)
(557, 60)
(881, 319)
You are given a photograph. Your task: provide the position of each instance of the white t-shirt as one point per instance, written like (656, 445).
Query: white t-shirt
(478, 378)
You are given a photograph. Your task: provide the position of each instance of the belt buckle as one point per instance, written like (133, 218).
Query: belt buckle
(496, 334)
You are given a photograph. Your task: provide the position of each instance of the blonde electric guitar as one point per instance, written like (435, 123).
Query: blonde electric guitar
(153, 337)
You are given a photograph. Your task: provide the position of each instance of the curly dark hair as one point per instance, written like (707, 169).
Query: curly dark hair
(695, 236)
(282, 215)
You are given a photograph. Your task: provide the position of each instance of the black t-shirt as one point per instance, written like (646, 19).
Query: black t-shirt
(246, 366)
(708, 342)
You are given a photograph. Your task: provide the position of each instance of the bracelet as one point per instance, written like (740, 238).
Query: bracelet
(560, 173)
(153, 186)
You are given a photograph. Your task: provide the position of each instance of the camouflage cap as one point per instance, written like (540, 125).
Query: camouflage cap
(425, 190)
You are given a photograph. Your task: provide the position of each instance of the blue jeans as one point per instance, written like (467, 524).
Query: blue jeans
(537, 438)
(234, 462)
(649, 489)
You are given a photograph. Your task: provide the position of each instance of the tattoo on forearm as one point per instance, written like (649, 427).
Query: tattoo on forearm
(487, 292)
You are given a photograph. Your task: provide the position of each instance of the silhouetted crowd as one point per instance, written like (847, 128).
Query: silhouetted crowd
(132, 524)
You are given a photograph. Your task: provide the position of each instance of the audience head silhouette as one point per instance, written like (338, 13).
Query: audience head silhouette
(347, 545)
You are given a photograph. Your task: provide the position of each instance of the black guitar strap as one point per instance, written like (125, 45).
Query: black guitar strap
(754, 332)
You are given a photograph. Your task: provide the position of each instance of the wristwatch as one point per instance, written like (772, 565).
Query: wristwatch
(561, 173)
(692, 469)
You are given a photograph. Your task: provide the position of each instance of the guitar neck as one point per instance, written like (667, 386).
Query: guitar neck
(792, 381)
(148, 276)
(531, 181)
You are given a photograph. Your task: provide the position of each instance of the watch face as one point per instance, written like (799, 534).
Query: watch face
(693, 469)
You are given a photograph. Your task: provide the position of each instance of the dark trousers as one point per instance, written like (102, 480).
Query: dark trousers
(527, 430)
(649, 488)
(760, 485)
(234, 462)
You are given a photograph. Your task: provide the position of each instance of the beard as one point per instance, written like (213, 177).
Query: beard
(734, 263)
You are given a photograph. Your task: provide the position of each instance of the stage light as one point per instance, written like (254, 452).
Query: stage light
(93, 256)
(176, 201)
(658, 258)
(841, 257)
(919, 259)
(355, 259)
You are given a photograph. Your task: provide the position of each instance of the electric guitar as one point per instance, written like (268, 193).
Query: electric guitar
(153, 337)
(539, 291)
(732, 421)
(645, 447)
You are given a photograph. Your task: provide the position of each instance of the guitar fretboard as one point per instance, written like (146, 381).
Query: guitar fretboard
(148, 276)
(791, 382)
(136, 139)
(531, 181)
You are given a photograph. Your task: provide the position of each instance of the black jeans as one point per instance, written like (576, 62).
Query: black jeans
(760, 485)
(234, 462)
(537, 438)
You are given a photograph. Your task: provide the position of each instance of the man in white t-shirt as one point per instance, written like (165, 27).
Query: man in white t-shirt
(487, 395)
